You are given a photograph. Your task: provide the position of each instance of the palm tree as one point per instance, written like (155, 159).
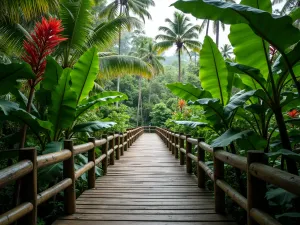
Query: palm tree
(180, 33)
(126, 7)
(288, 6)
(226, 51)
(216, 25)
(148, 52)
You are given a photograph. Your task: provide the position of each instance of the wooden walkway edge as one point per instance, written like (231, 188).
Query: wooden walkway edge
(147, 186)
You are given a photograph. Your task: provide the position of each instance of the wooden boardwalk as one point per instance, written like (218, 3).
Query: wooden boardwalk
(147, 186)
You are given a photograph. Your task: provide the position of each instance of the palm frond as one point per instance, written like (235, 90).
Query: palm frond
(164, 45)
(119, 65)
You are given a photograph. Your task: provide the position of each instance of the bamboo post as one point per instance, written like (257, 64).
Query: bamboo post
(176, 149)
(256, 188)
(112, 146)
(173, 143)
(219, 175)
(181, 145)
(118, 148)
(69, 172)
(122, 143)
(92, 158)
(200, 171)
(126, 139)
(188, 148)
(28, 186)
(104, 151)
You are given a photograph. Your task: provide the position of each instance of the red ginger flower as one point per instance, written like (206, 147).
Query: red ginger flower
(181, 104)
(42, 42)
(293, 113)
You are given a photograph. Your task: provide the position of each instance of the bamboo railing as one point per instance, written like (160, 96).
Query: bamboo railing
(255, 166)
(25, 171)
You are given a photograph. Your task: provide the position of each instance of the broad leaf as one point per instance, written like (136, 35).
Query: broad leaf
(13, 112)
(230, 136)
(249, 48)
(281, 197)
(277, 30)
(54, 146)
(191, 124)
(213, 71)
(23, 101)
(10, 73)
(52, 74)
(236, 101)
(93, 126)
(250, 76)
(285, 152)
(104, 98)
(84, 74)
(63, 107)
(188, 92)
(213, 111)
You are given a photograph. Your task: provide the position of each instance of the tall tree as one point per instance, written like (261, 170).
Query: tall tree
(127, 7)
(148, 52)
(226, 51)
(180, 33)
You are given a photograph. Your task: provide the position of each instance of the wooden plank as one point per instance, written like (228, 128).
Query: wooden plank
(147, 186)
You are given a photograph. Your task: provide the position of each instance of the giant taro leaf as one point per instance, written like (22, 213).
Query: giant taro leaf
(84, 74)
(93, 126)
(63, 107)
(277, 30)
(213, 71)
(10, 73)
(230, 136)
(188, 92)
(192, 124)
(249, 48)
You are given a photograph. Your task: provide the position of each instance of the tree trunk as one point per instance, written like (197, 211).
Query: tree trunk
(149, 91)
(217, 32)
(120, 36)
(291, 164)
(139, 102)
(28, 109)
(207, 28)
(179, 66)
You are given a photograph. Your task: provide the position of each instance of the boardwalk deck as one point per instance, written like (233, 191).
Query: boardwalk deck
(147, 186)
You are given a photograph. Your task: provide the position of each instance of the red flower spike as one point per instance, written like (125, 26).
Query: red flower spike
(181, 104)
(42, 42)
(293, 113)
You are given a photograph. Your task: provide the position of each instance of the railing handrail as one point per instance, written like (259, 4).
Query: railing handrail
(258, 174)
(28, 166)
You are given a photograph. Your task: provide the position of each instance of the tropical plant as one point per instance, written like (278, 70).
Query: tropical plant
(226, 51)
(118, 8)
(180, 33)
(259, 75)
(160, 114)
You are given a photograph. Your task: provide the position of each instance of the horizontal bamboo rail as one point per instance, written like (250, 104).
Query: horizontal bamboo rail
(25, 171)
(255, 166)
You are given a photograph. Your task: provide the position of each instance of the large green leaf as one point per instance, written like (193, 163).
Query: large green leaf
(84, 74)
(13, 112)
(10, 73)
(100, 99)
(229, 136)
(63, 107)
(236, 101)
(188, 92)
(277, 30)
(249, 48)
(250, 76)
(52, 74)
(213, 71)
(93, 126)
(23, 101)
(213, 111)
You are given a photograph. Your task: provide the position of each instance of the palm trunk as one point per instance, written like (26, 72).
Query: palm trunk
(149, 91)
(120, 36)
(217, 32)
(207, 28)
(139, 102)
(179, 66)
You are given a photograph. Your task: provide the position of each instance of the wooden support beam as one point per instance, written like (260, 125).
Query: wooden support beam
(188, 148)
(92, 158)
(201, 158)
(219, 175)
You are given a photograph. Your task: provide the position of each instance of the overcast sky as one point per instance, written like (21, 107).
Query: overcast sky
(162, 10)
